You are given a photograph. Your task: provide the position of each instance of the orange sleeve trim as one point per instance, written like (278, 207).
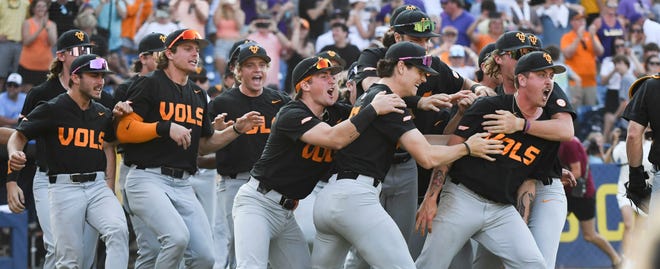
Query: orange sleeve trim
(132, 129)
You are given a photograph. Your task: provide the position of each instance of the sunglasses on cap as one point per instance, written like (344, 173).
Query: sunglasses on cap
(321, 63)
(98, 64)
(420, 26)
(426, 59)
(78, 51)
(186, 35)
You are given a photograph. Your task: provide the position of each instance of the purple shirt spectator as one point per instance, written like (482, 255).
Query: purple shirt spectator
(462, 22)
(628, 8)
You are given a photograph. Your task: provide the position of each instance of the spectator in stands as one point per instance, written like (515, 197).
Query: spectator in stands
(631, 9)
(159, 22)
(652, 65)
(301, 48)
(86, 21)
(555, 20)
(338, 16)
(458, 60)
(636, 40)
(137, 12)
(264, 31)
(12, 15)
(361, 21)
(63, 12)
(11, 101)
(595, 147)
(342, 46)
(563, 79)
(39, 35)
(525, 18)
(316, 13)
(110, 14)
(495, 30)
(650, 49)
(228, 20)
(581, 197)
(455, 15)
(385, 13)
(191, 13)
(449, 37)
(581, 48)
(608, 27)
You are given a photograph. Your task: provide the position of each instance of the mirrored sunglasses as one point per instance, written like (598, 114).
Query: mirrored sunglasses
(78, 51)
(420, 26)
(517, 54)
(426, 59)
(98, 64)
(186, 35)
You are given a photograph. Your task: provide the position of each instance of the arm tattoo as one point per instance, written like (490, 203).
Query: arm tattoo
(437, 180)
(524, 201)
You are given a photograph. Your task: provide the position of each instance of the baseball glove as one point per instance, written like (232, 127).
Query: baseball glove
(637, 189)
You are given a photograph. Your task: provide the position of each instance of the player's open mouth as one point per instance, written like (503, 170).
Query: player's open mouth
(546, 93)
(193, 62)
(330, 91)
(257, 79)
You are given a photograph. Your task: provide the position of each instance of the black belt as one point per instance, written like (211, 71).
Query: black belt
(401, 158)
(354, 175)
(169, 171)
(285, 202)
(77, 178)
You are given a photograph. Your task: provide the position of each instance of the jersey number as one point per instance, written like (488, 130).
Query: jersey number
(80, 137)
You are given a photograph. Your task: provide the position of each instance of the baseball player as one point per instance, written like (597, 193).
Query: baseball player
(348, 211)
(81, 165)
(492, 189)
(547, 198)
(640, 113)
(147, 243)
(165, 133)
(298, 153)
(400, 188)
(234, 161)
(70, 45)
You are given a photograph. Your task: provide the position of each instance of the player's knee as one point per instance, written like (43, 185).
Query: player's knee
(201, 260)
(178, 241)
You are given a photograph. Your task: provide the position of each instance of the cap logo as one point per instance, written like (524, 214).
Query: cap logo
(521, 37)
(332, 53)
(80, 35)
(533, 39)
(254, 49)
(411, 7)
(198, 69)
(162, 38)
(547, 58)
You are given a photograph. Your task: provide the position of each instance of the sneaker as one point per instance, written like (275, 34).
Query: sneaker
(639, 196)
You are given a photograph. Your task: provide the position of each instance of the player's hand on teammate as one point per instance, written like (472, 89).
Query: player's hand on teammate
(434, 102)
(503, 122)
(386, 103)
(480, 147)
(567, 178)
(122, 108)
(219, 122)
(464, 99)
(15, 198)
(17, 160)
(425, 215)
(249, 121)
(484, 91)
(180, 135)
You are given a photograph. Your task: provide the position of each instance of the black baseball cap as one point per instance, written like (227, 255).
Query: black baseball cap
(535, 41)
(250, 50)
(485, 52)
(310, 66)
(536, 61)
(414, 23)
(233, 52)
(411, 53)
(73, 38)
(353, 72)
(179, 36)
(398, 11)
(153, 42)
(89, 63)
(332, 56)
(513, 40)
(200, 73)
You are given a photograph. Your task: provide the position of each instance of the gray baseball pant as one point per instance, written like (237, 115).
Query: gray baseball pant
(348, 213)
(266, 232)
(170, 210)
(546, 223)
(399, 198)
(305, 214)
(42, 206)
(220, 226)
(232, 185)
(463, 214)
(74, 204)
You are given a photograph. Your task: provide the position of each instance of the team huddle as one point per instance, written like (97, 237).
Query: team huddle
(311, 169)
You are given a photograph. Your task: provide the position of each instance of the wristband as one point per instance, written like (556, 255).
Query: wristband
(163, 128)
(474, 87)
(362, 120)
(468, 149)
(527, 125)
(412, 101)
(236, 130)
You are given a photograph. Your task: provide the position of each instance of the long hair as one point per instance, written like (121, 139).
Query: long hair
(56, 68)
(162, 62)
(491, 68)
